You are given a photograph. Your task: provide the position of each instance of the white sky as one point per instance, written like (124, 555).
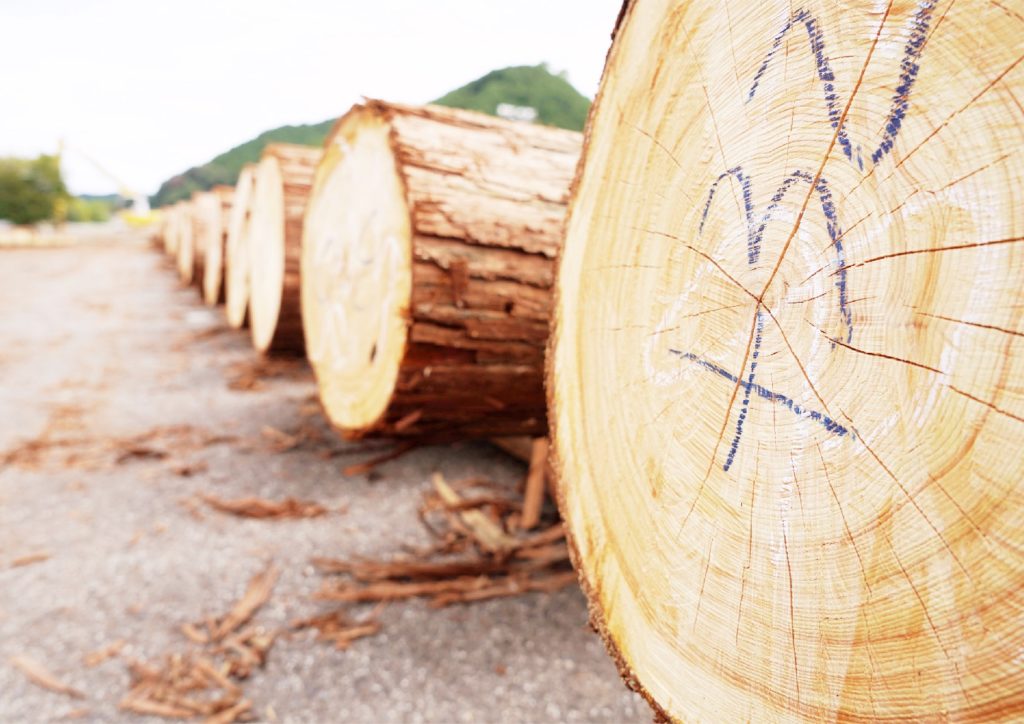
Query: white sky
(151, 88)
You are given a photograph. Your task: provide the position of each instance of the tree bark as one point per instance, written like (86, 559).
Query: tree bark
(427, 270)
(283, 180)
(785, 371)
(236, 257)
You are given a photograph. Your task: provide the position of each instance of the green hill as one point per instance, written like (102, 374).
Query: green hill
(224, 169)
(557, 104)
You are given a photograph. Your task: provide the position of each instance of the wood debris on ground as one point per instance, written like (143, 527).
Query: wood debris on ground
(250, 375)
(187, 340)
(75, 449)
(100, 655)
(368, 465)
(337, 628)
(480, 553)
(262, 508)
(28, 560)
(41, 676)
(205, 683)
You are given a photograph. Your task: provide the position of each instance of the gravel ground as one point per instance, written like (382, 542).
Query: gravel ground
(99, 343)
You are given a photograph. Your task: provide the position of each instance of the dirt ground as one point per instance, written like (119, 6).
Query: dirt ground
(121, 398)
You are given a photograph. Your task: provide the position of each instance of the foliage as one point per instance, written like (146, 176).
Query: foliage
(224, 169)
(31, 190)
(83, 208)
(556, 101)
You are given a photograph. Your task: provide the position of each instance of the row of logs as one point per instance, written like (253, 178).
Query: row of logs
(785, 386)
(411, 260)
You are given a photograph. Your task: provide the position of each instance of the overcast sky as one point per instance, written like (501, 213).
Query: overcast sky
(151, 88)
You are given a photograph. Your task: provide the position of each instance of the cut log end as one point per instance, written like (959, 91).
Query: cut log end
(215, 229)
(357, 276)
(785, 391)
(236, 272)
(283, 179)
(185, 242)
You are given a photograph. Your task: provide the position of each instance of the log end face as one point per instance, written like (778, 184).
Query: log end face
(266, 240)
(357, 273)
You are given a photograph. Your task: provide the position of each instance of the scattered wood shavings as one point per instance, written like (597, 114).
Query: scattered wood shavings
(98, 656)
(258, 592)
(205, 683)
(279, 441)
(40, 676)
(336, 627)
(491, 561)
(368, 465)
(262, 508)
(183, 687)
(31, 558)
(251, 375)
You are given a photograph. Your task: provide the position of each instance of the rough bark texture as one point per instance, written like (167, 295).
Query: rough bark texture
(297, 164)
(487, 199)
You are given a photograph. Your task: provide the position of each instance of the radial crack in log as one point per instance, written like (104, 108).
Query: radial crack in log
(783, 391)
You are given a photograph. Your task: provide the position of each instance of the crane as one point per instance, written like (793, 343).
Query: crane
(139, 213)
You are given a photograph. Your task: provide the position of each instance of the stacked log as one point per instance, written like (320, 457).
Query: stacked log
(785, 387)
(205, 215)
(427, 269)
(274, 239)
(172, 237)
(186, 242)
(166, 228)
(236, 260)
(213, 220)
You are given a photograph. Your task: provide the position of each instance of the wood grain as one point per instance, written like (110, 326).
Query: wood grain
(785, 383)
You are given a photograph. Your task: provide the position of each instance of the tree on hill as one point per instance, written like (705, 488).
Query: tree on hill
(557, 104)
(224, 169)
(32, 190)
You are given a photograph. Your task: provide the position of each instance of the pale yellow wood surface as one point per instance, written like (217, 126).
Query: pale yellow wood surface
(788, 371)
(215, 228)
(236, 252)
(274, 238)
(186, 241)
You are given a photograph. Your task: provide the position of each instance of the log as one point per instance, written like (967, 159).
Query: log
(214, 228)
(428, 264)
(236, 272)
(173, 229)
(186, 238)
(785, 384)
(283, 180)
(205, 214)
(166, 229)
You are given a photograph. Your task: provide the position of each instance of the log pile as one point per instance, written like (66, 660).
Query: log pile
(274, 240)
(785, 382)
(236, 259)
(427, 268)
